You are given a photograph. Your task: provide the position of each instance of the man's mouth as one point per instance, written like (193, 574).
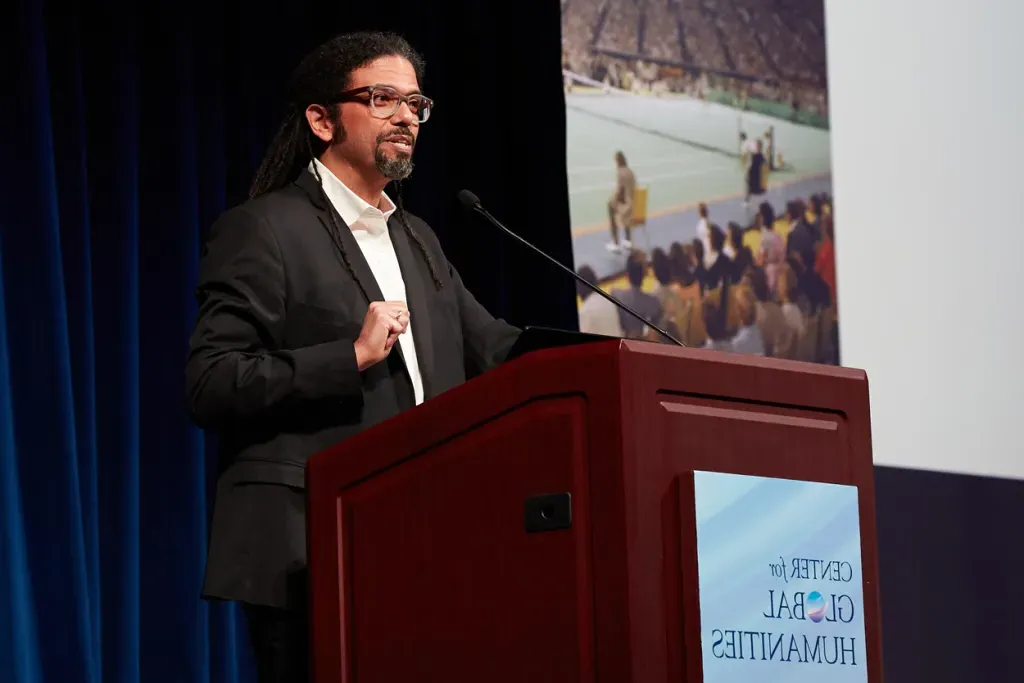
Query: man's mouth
(401, 142)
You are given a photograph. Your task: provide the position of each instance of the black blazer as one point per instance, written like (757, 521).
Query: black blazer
(271, 367)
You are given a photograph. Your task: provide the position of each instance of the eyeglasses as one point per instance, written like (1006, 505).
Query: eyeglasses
(384, 101)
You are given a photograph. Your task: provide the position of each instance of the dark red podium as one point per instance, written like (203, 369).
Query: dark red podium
(537, 524)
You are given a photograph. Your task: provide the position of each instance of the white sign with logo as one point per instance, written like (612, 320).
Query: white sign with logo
(781, 589)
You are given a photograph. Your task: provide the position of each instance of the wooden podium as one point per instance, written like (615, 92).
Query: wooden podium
(536, 524)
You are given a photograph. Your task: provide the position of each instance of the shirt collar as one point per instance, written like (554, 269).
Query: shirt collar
(352, 208)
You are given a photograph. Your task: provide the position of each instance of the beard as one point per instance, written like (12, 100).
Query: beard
(398, 166)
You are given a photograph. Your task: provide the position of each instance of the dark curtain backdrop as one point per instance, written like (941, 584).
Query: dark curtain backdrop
(127, 127)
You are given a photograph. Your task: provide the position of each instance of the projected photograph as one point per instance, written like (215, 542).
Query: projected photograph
(699, 172)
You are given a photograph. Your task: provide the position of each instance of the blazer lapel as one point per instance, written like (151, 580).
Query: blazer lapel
(346, 247)
(416, 277)
(345, 244)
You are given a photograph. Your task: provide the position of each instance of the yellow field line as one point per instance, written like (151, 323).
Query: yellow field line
(679, 208)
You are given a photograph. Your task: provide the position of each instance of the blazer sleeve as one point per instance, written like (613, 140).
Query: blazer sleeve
(487, 339)
(236, 367)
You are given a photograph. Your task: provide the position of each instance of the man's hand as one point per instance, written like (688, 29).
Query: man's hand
(383, 323)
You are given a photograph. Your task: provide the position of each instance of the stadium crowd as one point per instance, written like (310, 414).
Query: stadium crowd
(766, 289)
(770, 49)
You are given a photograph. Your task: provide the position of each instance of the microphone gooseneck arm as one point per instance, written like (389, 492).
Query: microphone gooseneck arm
(471, 201)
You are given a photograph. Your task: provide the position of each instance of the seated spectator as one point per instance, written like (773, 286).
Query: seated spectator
(697, 262)
(688, 288)
(825, 262)
(789, 293)
(813, 294)
(637, 299)
(597, 315)
(772, 254)
(748, 338)
(718, 267)
(814, 213)
(767, 213)
(673, 309)
(778, 337)
(738, 253)
(802, 238)
(715, 310)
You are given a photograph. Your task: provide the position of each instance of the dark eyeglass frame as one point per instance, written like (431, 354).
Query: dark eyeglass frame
(353, 96)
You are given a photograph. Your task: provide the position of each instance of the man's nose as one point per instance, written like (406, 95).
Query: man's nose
(404, 115)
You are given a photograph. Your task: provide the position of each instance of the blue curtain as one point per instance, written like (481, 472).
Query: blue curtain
(103, 483)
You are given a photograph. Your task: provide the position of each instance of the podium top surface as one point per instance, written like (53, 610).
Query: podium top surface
(540, 338)
(536, 342)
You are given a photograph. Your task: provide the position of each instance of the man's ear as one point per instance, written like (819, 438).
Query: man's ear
(320, 122)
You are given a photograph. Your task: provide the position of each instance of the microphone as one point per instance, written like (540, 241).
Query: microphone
(472, 202)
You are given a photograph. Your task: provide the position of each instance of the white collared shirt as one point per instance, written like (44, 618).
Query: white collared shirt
(369, 225)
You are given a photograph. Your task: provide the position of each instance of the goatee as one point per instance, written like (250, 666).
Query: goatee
(398, 167)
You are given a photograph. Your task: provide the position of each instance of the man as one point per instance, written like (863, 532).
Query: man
(324, 309)
(620, 204)
(756, 175)
(704, 226)
(747, 149)
(769, 136)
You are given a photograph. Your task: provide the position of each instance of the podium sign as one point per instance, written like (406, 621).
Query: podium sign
(780, 580)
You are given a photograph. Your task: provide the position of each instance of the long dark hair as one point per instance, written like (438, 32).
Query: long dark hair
(320, 76)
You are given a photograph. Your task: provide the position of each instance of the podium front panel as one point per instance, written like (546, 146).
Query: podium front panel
(464, 559)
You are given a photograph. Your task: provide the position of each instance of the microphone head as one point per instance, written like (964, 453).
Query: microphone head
(468, 199)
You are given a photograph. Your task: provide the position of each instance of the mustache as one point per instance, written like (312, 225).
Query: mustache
(400, 134)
